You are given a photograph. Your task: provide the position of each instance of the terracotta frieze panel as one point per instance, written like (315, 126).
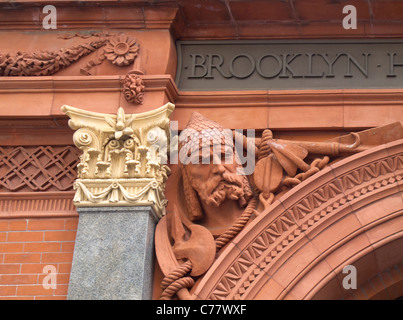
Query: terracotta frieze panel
(120, 50)
(37, 180)
(38, 168)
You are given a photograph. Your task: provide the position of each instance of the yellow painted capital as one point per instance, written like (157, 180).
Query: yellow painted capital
(124, 157)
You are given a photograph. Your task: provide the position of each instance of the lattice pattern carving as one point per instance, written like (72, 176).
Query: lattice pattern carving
(38, 168)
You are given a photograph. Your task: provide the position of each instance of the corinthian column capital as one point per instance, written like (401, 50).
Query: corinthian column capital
(124, 157)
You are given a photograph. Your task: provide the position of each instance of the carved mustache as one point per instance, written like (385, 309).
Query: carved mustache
(230, 187)
(227, 180)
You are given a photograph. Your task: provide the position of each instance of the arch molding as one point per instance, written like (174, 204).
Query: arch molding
(350, 213)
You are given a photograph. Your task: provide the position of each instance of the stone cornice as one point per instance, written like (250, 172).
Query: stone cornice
(339, 109)
(219, 20)
(48, 94)
(345, 109)
(27, 15)
(82, 83)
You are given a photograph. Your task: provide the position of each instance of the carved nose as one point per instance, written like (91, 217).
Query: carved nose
(218, 168)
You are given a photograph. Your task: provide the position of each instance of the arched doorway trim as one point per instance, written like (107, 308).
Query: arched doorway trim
(301, 243)
(384, 285)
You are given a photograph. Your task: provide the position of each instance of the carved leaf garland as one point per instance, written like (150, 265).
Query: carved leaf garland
(44, 63)
(119, 50)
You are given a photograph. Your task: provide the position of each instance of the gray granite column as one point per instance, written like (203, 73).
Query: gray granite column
(113, 254)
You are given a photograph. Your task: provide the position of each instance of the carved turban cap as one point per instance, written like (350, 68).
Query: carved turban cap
(202, 132)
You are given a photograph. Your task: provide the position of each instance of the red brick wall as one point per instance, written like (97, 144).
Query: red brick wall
(26, 247)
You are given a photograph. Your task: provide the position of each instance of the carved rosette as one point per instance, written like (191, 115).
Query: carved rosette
(122, 50)
(133, 87)
(124, 157)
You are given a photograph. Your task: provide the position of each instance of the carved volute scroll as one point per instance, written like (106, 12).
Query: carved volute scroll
(124, 157)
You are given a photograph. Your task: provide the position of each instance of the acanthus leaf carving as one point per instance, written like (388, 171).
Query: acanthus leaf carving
(44, 63)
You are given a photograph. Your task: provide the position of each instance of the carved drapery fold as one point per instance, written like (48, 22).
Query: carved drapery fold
(124, 157)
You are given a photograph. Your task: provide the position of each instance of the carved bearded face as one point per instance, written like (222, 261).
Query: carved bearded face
(210, 177)
(216, 179)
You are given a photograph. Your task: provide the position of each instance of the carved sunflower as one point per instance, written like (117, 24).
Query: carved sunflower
(122, 50)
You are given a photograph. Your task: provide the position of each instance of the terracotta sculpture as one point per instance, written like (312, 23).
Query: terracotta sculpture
(120, 50)
(215, 189)
(219, 199)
